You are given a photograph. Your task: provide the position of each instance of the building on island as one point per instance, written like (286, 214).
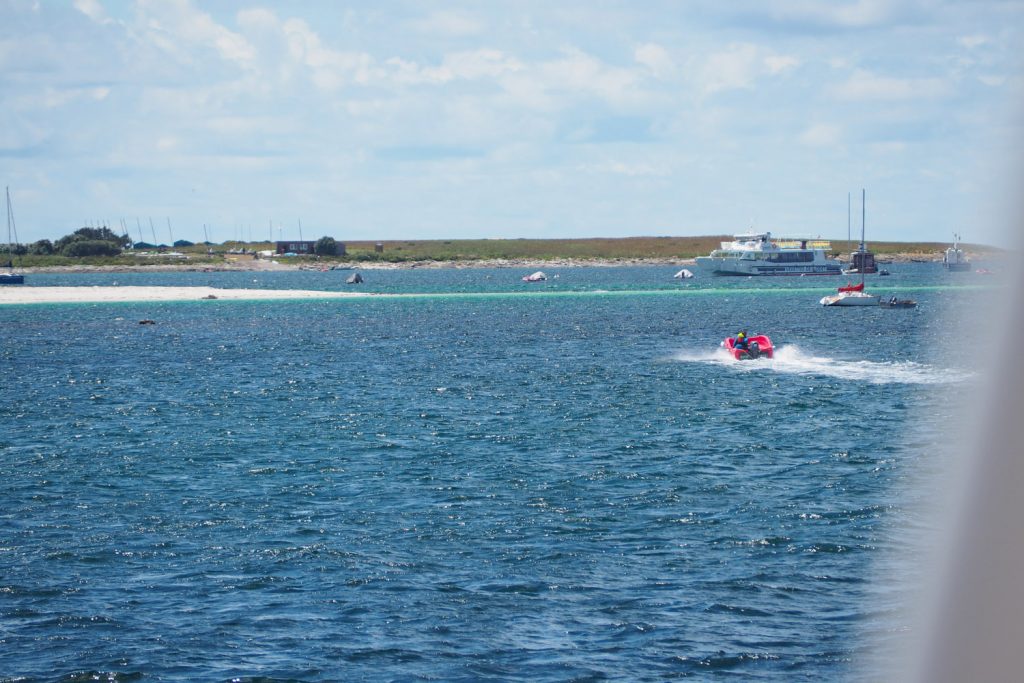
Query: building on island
(304, 247)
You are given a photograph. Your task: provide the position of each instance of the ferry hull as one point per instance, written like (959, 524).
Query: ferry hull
(728, 267)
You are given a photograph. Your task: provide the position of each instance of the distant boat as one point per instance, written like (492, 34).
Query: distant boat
(535, 277)
(683, 274)
(354, 279)
(759, 254)
(954, 259)
(861, 261)
(10, 277)
(893, 302)
(854, 295)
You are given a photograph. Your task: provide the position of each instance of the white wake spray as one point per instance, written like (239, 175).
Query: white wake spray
(791, 360)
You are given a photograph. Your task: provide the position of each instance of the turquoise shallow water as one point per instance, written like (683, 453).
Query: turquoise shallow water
(460, 487)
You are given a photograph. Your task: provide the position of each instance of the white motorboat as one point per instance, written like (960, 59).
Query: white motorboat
(759, 254)
(539, 276)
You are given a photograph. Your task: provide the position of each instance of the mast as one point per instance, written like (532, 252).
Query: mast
(863, 212)
(10, 251)
(863, 194)
(11, 226)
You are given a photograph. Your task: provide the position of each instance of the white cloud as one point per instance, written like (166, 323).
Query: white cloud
(821, 135)
(971, 42)
(178, 28)
(656, 58)
(329, 69)
(56, 98)
(625, 168)
(579, 72)
(473, 65)
(776, 64)
(864, 86)
(888, 147)
(858, 14)
(453, 24)
(739, 66)
(993, 81)
(92, 9)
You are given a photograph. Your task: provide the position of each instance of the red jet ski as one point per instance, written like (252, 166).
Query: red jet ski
(760, 345)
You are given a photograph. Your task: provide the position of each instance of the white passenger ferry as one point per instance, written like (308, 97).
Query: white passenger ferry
(759, 254)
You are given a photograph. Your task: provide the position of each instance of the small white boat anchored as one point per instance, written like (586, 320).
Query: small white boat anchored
(535, 277)
(683, 274)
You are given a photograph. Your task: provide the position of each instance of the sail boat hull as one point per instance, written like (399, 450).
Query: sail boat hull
(850, 299)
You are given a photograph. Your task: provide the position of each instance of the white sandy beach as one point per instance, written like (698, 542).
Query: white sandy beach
(52, 295)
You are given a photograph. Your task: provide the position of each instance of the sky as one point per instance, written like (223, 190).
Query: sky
(387, 120)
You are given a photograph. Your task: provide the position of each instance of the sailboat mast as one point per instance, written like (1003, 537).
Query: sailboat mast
(863, 213)
(863, 195)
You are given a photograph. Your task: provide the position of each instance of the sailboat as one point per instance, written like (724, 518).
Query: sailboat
(10, 277)
(862, 260)
(854, 295)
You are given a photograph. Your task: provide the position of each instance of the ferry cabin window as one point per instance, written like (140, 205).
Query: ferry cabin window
(793, 257)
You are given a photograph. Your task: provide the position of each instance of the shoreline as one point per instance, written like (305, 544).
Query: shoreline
(273, 265)
(15, 295)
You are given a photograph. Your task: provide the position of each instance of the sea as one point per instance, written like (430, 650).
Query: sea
(474, 478)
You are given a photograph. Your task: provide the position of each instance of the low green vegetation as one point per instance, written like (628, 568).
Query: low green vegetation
(100, 247)
(625, 248)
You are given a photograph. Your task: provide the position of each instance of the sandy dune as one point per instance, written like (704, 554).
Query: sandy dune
(15, 294)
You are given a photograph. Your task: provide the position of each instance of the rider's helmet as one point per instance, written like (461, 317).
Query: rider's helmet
(741, 335)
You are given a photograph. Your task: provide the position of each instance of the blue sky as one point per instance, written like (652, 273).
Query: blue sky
(446, 120)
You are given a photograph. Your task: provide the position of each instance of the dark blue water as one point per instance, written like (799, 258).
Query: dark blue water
(456, 487)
